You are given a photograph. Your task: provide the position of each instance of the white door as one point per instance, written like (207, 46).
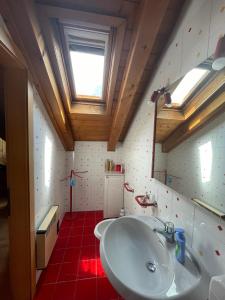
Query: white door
(113, 195)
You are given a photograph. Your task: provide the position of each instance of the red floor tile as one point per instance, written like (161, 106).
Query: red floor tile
(78, 223)
(100, 270)
(61, 243)
(65, 291)
(89, 230)
(76, 231)
(50, 275)
(88, 252)
(87, 269)
(57, 256)
(89, 240)
(99, 214)
(90, 218)
(90, 221)
(105, 291)
(75, 271)
(90, 213)
(64, 232)
(68, 272)
(75, 241)
(80, 214)
(45, 292)
(65, 224)
(72, 255)
(86, 290)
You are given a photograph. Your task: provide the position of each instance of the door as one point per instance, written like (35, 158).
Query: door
(17, 234)
(4, 204)
(113, 195)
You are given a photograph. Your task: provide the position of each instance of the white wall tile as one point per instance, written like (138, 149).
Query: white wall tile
(88, 194)
(209, 241)
(49, 163)
(217, 24)
(195, 35)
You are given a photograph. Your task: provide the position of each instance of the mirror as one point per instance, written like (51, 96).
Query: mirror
(189, 154)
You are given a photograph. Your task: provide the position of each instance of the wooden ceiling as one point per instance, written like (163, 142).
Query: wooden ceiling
(146, 27)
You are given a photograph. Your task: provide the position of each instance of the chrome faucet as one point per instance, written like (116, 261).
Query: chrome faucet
(168, 231)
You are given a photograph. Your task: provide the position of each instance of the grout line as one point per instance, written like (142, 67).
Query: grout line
(94, 245)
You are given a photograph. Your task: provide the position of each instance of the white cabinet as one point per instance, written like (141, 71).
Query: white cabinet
(113, 195)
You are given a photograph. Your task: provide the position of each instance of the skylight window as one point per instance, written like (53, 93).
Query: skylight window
(187, 85)
(88, 70)
(88, 53)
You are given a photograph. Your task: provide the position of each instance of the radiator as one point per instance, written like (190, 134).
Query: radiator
(46, 237)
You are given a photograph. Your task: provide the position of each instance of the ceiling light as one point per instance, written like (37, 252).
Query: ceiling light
(219, 56)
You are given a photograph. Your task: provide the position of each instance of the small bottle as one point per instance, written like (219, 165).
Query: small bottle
(180, 245)
(122, 212)
(107, 165)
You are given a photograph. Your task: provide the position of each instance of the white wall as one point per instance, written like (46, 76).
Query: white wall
(88, 193)
(193, 41)
(49, 163)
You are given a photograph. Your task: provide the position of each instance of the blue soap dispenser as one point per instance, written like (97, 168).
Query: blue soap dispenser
(180, 245)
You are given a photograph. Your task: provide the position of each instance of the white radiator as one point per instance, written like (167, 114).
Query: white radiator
(46, 237)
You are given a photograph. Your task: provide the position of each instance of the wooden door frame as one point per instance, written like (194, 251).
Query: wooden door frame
(20, 179)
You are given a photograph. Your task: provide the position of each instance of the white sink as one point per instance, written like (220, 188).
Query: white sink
(140, 264)
(101, 227)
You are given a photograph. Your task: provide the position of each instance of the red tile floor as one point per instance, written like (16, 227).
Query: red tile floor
(75, 271)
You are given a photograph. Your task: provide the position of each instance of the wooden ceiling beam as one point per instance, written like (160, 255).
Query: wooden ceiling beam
(52, 40)
(72, 16)
(25, 30)
(190, 126)
(170, 114)
(148, 26)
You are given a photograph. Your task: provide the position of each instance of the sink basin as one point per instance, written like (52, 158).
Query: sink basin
(101, 227)
(141, 265)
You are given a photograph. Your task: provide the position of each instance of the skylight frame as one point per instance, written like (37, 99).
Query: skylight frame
(108, 49)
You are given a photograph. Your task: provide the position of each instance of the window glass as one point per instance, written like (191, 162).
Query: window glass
(187, 85)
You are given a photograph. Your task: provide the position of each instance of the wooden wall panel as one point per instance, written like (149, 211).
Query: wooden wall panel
(92, 128)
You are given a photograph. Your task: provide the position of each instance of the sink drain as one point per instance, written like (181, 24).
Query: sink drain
(150, 266)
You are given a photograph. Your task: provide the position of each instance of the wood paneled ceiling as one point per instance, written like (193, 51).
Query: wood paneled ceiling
(142, 29)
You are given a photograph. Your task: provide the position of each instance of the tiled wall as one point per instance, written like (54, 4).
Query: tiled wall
(49, 163)
(88, 193)
(193, 41)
